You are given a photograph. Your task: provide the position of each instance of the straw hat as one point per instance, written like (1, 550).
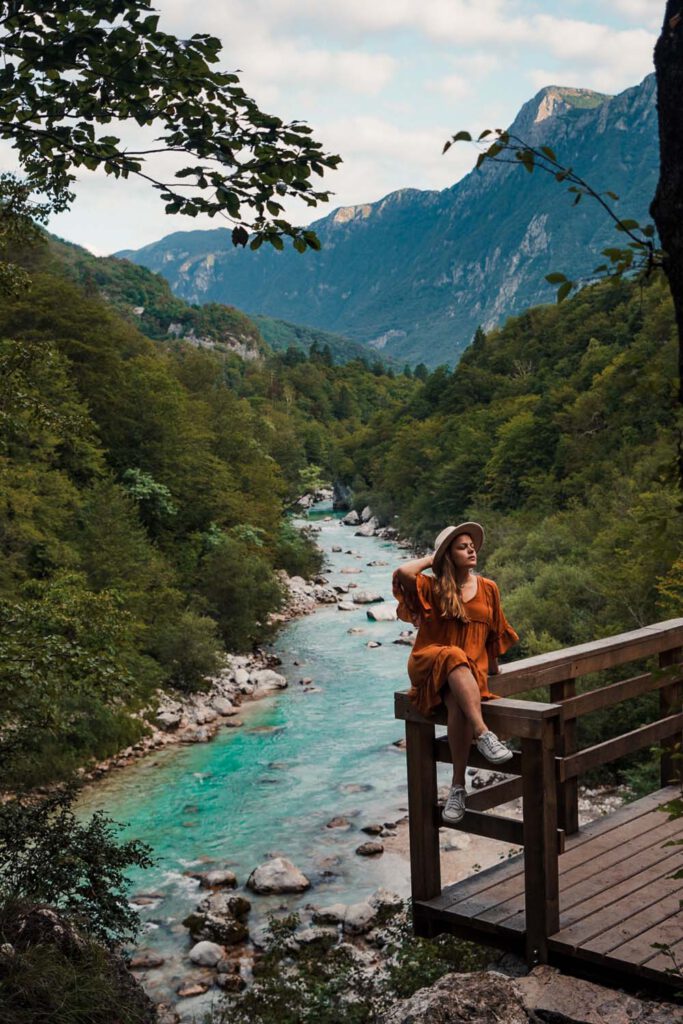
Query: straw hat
(448, 534)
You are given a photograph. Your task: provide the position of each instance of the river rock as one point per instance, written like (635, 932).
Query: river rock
(366, 514)
(370, 849)
(376, 562)
(351, 518)
(368, 529)
(367, 597)
(382, 613)
(359, 918)
(346, 606)
(339, 822)
(324, 595)
(483, 997)
(372, 830)
(216, 879)
(355, 630)
(169, 720)
(336, 549)
(385, 898)
(203, 714)
(350, 570)
(372, 644)
(241, 677)
(146, 962)
(277, 875)
(230, 982)
(223, 706)
(332, 914)
(266, 681)
(220, 918)
(188, 989)
(312, 934)
(206, 954)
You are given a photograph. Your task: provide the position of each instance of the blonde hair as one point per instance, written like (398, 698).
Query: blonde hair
(448, 592)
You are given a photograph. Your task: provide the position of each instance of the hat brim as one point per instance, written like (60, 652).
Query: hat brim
(476, 532)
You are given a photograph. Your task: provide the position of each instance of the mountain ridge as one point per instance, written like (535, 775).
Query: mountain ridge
(416, 272)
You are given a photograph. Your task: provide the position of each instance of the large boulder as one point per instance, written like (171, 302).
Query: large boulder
(483, 997)
(220, 918)
(366, 514)
(368, 529)
(382, 613)
(550, 995)
(266, 680)
(366, 597)
(224, 707)
(206, 954)
(351, 518)
(277, 875)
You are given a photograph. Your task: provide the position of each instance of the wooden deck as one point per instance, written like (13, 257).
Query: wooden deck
(617, 897)
(601, 896)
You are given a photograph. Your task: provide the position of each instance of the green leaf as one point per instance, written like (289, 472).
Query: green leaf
(627, 225)
(564, 290)
(462, 137)
(555, 278)
(547, 151)
(613, 196)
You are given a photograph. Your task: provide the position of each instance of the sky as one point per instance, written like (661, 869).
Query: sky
(383, 83)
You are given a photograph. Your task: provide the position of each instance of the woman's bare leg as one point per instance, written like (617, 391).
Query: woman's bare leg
(463, 702)
(460, 735)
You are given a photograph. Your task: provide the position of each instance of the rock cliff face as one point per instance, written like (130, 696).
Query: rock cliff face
(414, 274)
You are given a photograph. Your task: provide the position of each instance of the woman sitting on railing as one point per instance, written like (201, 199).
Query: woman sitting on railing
(461, 632)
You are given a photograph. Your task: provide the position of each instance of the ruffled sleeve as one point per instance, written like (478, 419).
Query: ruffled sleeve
(414, 596)
(501, 635)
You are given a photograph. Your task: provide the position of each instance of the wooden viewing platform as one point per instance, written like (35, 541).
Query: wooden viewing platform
(599, 896)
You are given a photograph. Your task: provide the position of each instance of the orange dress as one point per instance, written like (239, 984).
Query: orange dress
(443, 644)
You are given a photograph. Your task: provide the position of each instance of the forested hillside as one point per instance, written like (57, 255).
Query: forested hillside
(143, 490)
(556, 432)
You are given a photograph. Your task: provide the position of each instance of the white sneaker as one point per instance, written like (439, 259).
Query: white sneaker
(490, 747)
(454, 809)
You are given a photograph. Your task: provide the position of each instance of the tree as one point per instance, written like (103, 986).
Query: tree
(68, 68)
(666, 209)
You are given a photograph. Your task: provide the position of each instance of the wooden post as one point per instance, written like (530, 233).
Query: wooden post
(568, 792)
(541, 884)
(670, 701)
(425, 866)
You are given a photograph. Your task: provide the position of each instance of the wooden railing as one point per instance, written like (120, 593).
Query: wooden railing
(545, 773)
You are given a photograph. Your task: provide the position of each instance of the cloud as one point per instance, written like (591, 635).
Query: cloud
(645, 12)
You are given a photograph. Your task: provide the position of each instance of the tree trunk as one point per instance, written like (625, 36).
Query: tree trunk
(667, 206)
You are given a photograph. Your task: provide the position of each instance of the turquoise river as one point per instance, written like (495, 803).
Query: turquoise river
(271, 786)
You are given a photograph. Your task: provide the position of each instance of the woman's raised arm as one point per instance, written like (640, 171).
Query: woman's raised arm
(409, 570)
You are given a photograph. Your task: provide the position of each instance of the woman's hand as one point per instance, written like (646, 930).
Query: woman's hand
(409, 570)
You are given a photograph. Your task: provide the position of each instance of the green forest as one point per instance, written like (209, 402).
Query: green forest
(145, 488)
(146, 482)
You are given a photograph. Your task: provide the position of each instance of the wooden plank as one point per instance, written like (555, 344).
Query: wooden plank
(632, 941)
(493, 796)
(670, 700)
(607, 696)
(568, 790)
(572, 662)
(662, 961)
(501, 874)
(515, 717)
(425, 868)
(605, 909)
(493, 826)
(442, 753)
(627, 743)
(593, 860)
(540, 842)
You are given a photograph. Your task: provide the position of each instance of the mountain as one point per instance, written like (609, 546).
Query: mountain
(414, 274)
(145, 299)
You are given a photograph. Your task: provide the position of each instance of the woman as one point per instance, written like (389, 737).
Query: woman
(461, 632)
